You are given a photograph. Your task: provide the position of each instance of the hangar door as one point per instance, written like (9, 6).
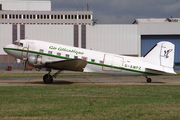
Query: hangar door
(148, 41)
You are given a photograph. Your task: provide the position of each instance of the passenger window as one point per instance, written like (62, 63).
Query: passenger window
(41, 50)
(49, 52)
(92, 60)
(84, 58)
(67, 55)
(58, 54)
(75, 57)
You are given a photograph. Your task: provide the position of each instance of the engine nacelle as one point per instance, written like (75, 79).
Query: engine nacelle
(35, 60)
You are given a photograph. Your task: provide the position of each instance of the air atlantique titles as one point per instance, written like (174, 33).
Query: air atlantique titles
(66, 50)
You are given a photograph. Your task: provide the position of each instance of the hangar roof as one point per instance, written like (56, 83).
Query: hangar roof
(156, 20)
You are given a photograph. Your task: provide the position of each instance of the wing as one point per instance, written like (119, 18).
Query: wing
(73, 65)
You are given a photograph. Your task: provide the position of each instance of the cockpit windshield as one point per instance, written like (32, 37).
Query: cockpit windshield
(18, 43)
(21, 44)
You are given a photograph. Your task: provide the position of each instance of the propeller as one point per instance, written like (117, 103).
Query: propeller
(26, 58)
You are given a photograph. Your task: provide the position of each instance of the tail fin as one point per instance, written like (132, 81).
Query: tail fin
(162, 54)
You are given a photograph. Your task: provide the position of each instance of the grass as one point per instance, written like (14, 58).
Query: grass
(90, 102)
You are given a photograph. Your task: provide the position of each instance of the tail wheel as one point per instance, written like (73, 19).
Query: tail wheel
(148, 80)
(48, 79)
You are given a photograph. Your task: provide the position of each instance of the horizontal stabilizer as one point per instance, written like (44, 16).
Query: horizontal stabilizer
(159, 71)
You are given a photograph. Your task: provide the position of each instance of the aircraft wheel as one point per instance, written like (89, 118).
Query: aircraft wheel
(148, 80)
(46, 80)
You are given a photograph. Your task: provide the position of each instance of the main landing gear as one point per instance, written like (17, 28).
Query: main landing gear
(48, 79)
(147, 79)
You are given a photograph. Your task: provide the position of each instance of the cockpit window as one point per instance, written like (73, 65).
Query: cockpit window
(21, 44)
(18, 44)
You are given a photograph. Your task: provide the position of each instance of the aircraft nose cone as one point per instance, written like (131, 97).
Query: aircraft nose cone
(5, 48)
(8, 47)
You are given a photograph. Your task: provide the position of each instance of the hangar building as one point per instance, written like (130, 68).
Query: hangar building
(35, 20)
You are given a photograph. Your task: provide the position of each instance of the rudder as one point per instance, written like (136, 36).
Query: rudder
(167, 54)
(161, 54)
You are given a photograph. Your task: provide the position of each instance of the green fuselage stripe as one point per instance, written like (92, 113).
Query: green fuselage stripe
(94, 63)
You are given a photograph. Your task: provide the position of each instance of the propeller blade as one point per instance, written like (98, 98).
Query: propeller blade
(26, 58)
(27, 52)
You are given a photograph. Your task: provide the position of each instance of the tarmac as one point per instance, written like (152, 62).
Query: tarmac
(94, 80)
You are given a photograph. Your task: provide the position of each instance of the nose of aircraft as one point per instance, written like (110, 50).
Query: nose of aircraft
(13, 50)
(8, 47)
(5, 48)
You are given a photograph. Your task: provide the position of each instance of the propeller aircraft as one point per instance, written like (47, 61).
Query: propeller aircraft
(40, 54)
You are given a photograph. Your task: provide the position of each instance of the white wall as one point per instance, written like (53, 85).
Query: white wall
(62, 34)
(26, 5)
(119, 39)
(5, 36)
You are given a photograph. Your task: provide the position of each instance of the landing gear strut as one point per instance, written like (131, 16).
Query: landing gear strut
(48, 79)
(147, 79)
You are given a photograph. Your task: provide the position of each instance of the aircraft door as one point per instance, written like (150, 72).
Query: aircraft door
(28, 46)
(112, 63)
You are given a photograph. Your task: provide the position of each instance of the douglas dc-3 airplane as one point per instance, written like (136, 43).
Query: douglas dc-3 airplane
(39, 54)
